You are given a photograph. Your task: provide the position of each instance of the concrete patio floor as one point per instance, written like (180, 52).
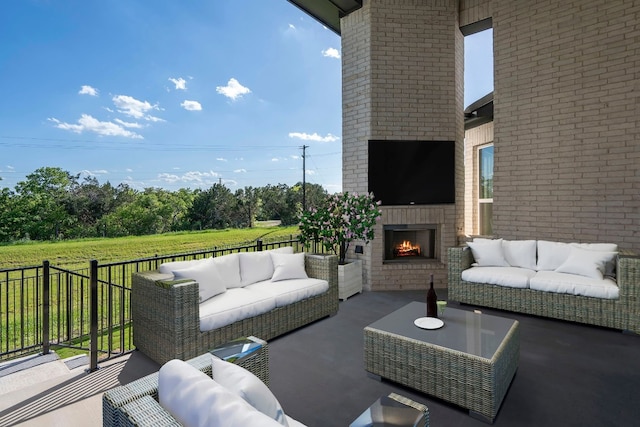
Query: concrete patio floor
(51, 394)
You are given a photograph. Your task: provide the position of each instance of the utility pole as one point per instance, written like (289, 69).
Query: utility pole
(304, 181)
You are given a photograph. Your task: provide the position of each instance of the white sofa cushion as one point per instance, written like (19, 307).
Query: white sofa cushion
(255, 267)
(233, 305)
(168, 267)
(287, 292)
(551, 254)
(551, 281)
(210, 282)
(229, 268)
(585, 262)
(488, 252)
(520, 253)
(288, 266)
(513, 277)
(243, 383)
(195, 400)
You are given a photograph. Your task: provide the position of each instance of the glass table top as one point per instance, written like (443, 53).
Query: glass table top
(237, 349)
(389, 412)
(472, 333)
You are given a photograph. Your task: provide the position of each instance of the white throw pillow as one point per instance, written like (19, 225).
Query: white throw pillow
(584, 262)
(229, 268)
(168, 267)
(255, 267)
(195, 400)
(206, 274)
(282, 250)
(610, 266)
(288, 266)
(551, 254)
(488, 253)
(520, 253)
(249, 387)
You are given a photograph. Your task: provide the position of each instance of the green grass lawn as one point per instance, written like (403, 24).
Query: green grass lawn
(77, 253)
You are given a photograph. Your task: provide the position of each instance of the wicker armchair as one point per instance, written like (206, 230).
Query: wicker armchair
(136, 403)
(166, 314)
(622, 313)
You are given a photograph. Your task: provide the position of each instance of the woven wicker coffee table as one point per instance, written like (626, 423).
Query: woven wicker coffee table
(470, 361)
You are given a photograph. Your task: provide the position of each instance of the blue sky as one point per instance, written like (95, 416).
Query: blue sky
(173, 94)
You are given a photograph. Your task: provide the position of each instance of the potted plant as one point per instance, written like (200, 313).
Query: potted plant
(341, 219)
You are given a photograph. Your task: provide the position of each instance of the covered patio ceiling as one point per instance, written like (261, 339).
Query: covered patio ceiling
(328, 12)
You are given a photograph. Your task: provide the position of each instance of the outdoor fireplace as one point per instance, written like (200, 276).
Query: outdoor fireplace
(410, 242)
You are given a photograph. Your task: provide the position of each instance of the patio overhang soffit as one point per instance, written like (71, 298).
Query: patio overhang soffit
(328, 12)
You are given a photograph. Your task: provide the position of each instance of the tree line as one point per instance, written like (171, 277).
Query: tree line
(52, 204)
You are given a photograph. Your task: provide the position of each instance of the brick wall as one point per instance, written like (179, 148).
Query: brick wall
(567, 146)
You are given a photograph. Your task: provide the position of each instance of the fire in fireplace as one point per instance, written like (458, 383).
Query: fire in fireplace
(409, 242)
(406, 248)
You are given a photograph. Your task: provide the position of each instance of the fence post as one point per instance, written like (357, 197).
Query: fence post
(45, 307)
(93, 302)
(259, 244)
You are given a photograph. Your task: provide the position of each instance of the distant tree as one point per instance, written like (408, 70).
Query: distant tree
(42, 199)
(181, 201)
(212, 208)
(273, 202)
(88, 203)
(315, 194)
(10, 217)
(248, 204)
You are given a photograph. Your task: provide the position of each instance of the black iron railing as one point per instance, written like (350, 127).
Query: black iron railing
(87, 309)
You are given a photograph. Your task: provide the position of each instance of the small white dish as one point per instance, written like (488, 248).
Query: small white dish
(428, 323)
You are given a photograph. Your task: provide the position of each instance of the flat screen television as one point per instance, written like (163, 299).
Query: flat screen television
(412, 172)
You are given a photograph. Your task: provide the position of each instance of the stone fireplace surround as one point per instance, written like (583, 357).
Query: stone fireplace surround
(409, 276)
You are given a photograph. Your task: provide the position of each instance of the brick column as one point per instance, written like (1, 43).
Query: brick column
(403, 80)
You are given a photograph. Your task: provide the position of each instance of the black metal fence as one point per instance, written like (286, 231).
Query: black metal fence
(87, 309)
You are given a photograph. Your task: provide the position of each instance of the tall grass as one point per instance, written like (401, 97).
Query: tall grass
(77, 253)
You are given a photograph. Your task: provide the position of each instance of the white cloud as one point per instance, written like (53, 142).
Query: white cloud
(313, 137)
(132, 107)
(191, 105)
(87, 123)
(129, 124)
(295, 157)
(181, 84)
(331, 53)
(240, 171)
(275, 159)
(221, 159)
(86, 172)
(193, 177)
(88, 90)
(233, 89)
(310, 172)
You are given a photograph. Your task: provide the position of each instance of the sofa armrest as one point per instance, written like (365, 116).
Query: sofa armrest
(146, 412)
(459, 259)
(165, 314)
(323, 267)
(628, 277)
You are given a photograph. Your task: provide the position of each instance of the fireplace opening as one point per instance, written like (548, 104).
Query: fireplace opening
(409, 242)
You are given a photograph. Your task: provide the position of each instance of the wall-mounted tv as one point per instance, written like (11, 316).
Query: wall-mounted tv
(412, 172)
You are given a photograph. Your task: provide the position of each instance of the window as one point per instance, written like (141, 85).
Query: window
(485, 190)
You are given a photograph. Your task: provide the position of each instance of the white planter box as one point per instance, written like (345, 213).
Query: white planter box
(349, 279)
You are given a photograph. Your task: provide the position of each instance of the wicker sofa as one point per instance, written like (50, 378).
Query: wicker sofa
(619, 309)
(166, 313)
